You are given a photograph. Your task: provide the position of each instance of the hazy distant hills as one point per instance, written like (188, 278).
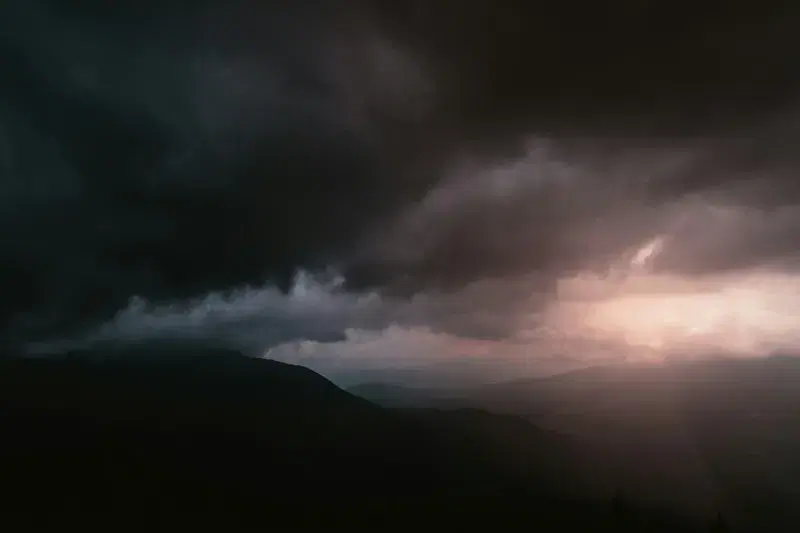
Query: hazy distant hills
(716, 433)
(455, 373)
(200, 434)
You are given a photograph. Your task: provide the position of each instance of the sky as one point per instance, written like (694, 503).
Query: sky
(364, 183)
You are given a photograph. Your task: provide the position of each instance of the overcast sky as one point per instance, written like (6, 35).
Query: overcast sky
(266, 173)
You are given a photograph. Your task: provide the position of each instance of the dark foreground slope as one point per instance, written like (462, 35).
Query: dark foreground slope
(203, 434)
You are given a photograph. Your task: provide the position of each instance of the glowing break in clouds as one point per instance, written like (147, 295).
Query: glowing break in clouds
(742, 313)
(646, 253)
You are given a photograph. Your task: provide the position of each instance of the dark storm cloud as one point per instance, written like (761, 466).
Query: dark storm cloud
(717, 78)
(171, 149)
(644, 105)
(627, 62)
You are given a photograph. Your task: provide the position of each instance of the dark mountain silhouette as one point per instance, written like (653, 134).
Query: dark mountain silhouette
(695, 435)
(203, 434)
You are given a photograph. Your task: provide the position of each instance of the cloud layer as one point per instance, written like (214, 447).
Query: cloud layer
(168, 169)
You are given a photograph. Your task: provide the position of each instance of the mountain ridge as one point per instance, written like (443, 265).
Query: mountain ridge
(220, 435)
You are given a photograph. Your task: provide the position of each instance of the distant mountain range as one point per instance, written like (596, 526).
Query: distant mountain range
(693, 435)
(195, 434)
(455, 373)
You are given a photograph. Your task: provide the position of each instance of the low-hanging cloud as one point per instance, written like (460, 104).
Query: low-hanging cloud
(318, 308)
(477, 333)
